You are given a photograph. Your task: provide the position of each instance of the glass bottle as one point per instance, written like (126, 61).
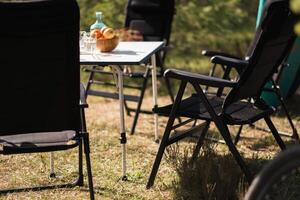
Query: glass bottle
(98, 24)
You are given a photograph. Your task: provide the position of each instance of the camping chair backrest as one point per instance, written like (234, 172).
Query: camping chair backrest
(256, 35)
(153, 18)
(276, 37)
(39, 59)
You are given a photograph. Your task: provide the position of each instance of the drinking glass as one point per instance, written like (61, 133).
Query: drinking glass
(82, 37)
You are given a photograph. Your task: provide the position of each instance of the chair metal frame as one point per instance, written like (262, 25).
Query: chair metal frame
(274, 82)
(276, 31)
(275, 88)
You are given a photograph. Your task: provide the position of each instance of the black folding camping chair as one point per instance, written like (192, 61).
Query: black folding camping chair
(273, 86)
(42, 106)
(275, 39)
(153, 19)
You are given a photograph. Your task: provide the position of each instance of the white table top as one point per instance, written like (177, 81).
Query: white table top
(126, 53)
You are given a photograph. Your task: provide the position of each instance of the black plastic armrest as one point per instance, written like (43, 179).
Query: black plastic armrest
(232, 62)
(198, 78)
(215, 53)
(82, 102)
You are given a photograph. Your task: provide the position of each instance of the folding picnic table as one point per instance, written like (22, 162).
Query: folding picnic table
(127, 53)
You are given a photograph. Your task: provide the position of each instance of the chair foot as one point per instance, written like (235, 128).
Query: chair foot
(80, 180)
(124, 178)
(52, 175)
(157, 141)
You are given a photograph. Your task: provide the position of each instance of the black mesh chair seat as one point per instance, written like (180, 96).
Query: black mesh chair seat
(44, 141)
(238, 113)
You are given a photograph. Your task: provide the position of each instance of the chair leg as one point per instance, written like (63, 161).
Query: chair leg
(232, 148)
(169, 88)
(80, 161)
(295, 133)
(138, 109)
(275, 133)
(222, 127)
(164, 141)
(280, 98)
(238, 135)
(200, 141)
(89, 82)
(159, 155)
(88, 165)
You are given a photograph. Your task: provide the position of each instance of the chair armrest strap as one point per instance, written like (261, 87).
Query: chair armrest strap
(198, 78)
(215, 53)
(232, 62)
(82, 102)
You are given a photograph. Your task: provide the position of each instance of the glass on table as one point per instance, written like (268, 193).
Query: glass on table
(90, 45)
(82, 35)
(87, 43)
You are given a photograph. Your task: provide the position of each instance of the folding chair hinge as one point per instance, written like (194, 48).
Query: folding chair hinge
(150, 66)
(123, 139)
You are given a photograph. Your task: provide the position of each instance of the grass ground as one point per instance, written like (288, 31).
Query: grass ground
(175, 180)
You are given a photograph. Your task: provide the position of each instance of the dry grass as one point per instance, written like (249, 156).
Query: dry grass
(103, 123)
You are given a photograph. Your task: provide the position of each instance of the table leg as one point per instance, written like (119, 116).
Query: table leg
(122, 120)
(52, 173)
(154, 90)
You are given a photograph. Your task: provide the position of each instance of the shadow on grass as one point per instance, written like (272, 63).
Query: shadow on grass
(270, 141)
(212, 176)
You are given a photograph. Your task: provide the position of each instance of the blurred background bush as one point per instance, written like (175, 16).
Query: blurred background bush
(295, 6)
(225, 25)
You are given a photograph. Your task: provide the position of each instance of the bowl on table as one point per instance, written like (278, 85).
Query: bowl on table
(107, 45)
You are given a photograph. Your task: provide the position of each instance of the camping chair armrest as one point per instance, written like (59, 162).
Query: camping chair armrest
(215, 53)
(82, 102)
(232, 62)
(198, 78)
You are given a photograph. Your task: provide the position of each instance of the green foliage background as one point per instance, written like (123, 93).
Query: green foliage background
(295, 6)
(225, 25)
